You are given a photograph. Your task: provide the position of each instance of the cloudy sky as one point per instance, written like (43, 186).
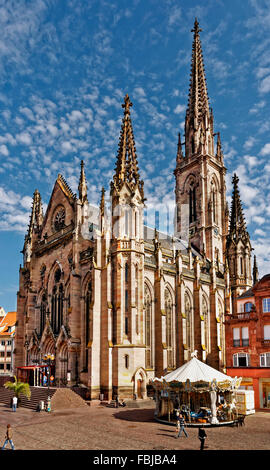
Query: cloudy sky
(65, 66)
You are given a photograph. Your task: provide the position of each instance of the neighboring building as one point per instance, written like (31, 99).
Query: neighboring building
(2, 313)
(7, 336)
(248, 341)
(118, 303)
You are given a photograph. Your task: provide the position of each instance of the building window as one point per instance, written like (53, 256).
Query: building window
(265, 359)
(188, 322)
(148, 328)
(248, 307)
(245, 336)
(126, 299)
(242, 340)
(126, 361)
(266, 332)
(126, 222)
(236, 337)
(266, 305)
(192, 205)
(3, 343)
(88, 303)
(241, 360)
(169, 339)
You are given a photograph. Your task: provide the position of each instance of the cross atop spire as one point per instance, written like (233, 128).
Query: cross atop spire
(127, 169)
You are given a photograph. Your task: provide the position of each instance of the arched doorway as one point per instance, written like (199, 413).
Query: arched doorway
(139, 379)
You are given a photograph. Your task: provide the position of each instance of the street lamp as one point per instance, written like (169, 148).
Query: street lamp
(48, 359)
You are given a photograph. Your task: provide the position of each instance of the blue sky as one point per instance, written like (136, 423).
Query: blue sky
(65, 67)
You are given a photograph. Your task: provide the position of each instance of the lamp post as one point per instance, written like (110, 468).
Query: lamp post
(48, 359)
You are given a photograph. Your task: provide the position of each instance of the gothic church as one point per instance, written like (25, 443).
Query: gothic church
(126, 304)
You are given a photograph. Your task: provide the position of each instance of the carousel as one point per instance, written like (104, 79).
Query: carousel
(204, 396)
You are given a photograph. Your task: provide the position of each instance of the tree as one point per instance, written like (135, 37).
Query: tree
(19, 388)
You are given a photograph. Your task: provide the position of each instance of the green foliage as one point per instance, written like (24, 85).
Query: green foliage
(19, 388)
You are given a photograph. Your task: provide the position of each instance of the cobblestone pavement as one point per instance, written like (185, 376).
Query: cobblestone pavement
(102, 428)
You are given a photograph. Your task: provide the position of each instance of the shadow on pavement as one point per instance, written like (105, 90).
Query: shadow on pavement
(138, 415)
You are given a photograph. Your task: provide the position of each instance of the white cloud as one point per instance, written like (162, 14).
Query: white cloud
(4, 150)
(265, 150)
(264, 86)
(180, 108)
(24, 138)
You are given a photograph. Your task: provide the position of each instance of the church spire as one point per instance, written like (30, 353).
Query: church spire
(179, 155)
(198, 97)
(237, 219)
(36, 217)
(127, 165)
(255, 271)
(82, 188)
(199, 118)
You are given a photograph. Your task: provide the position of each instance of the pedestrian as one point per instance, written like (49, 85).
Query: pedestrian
(181, 426)
(202, 436)
(8, 438)
(116, 401)
(14, 403)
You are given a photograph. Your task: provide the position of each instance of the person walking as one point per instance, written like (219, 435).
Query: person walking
(14, 403)
(202, 436)
(181, 426)
(8, 438)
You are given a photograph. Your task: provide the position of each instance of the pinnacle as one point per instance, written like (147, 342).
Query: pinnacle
(237, 220)
(198, 95)
(127, 164)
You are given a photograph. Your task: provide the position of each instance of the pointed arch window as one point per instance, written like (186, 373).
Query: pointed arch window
(148, 327)
(192, 204)
(126, 215)
(169, 327)
(87, 321)
(137, 298)
(214, 201)
(43, 309)
(188, 325)
(57, 302)
(126, 300)
(206, 324)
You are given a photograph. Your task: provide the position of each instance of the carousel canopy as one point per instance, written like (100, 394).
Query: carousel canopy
(196, 371)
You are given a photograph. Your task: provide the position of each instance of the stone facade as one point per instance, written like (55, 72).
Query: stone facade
(115, 301)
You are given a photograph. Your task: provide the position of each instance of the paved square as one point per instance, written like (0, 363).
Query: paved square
(102, 428)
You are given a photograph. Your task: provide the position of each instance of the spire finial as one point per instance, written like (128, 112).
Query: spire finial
(179, 149)
(127, 104)
(102, 202)
(82, 184)
(196, 30)
(255, 271)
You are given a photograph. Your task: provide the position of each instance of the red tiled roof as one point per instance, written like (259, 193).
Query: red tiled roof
(9, 320)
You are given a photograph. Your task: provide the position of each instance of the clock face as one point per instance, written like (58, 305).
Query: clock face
(59, 219)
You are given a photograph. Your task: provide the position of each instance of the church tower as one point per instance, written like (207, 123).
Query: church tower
(127, 259)
(238, 248)
(200, 172)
